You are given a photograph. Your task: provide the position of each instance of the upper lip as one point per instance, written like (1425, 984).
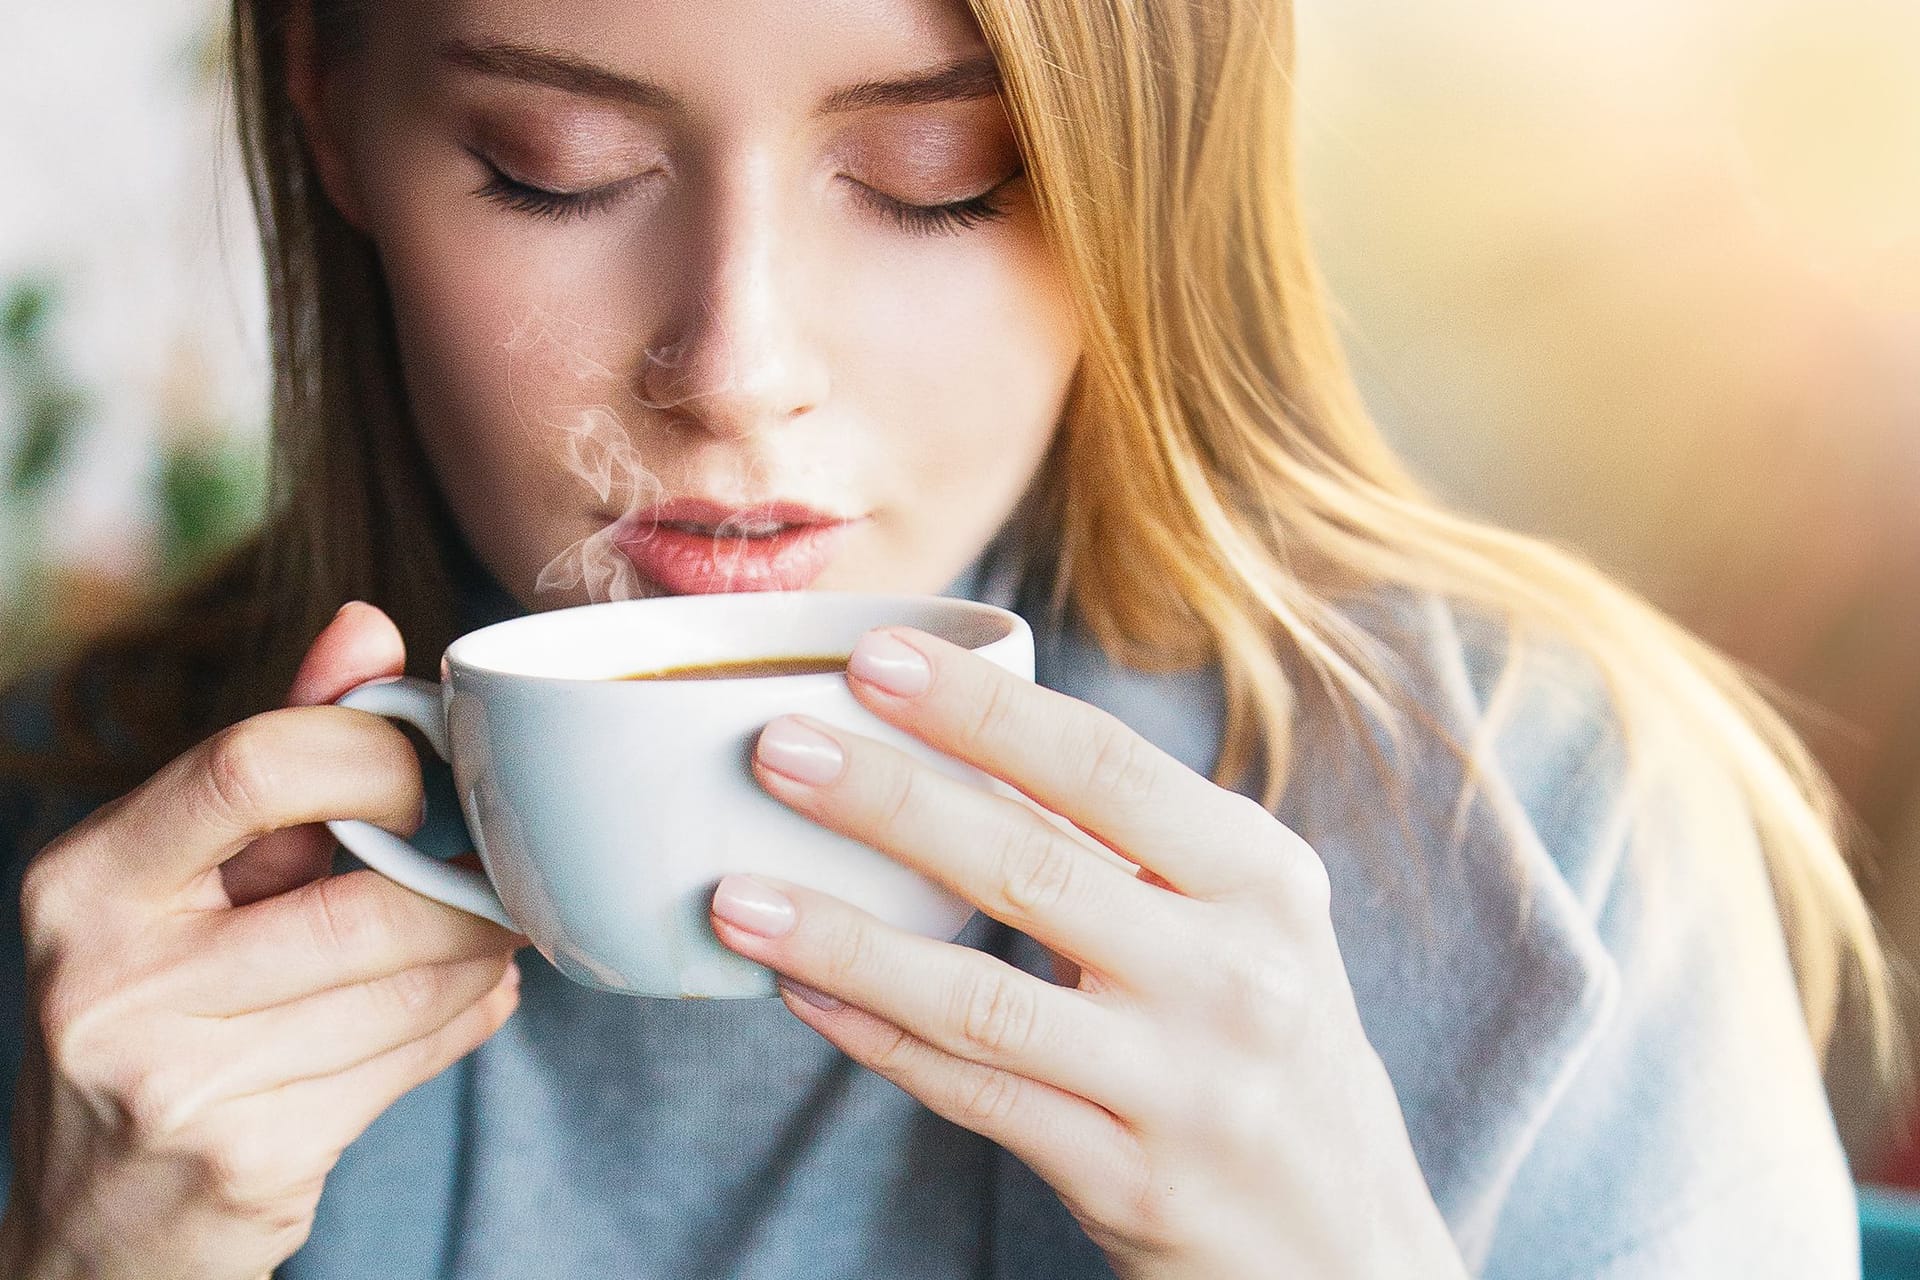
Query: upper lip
(711, 514)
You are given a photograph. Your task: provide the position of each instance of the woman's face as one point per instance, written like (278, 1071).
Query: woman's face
(653, 263)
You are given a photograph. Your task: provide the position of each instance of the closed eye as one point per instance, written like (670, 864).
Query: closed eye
(935, 219)
(559, 206)
(916, 219)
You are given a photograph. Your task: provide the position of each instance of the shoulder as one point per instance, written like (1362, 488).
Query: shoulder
(1515, 735)
(1576, 972)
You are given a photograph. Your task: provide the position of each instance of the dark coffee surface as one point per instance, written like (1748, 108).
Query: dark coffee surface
(747, 669)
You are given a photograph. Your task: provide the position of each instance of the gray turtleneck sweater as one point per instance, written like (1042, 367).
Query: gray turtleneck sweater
(1591, 1025)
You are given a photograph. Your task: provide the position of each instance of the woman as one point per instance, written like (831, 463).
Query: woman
(587, 300)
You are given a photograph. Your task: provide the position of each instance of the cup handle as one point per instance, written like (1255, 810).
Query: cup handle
(417, 702)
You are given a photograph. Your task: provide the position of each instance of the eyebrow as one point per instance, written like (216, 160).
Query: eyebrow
(968, 78)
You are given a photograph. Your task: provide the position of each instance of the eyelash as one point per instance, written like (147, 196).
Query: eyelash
(938, 219)
(558, 206)
(915, 219)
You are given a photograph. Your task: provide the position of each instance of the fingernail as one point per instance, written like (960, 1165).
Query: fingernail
(343, 608)
(800, 751)
(818, 999)
(750, 904)
(512, 975)
(891, 663)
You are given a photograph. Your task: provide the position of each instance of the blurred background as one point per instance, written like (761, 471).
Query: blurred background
(132, 317)
(1641, 277)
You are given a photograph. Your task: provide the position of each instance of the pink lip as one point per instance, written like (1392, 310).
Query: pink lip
(688, 563)
(708, 512)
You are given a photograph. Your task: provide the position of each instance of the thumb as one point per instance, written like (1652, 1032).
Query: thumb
(360, 644)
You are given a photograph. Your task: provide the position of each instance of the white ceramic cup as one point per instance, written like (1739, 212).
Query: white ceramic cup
(605, 810)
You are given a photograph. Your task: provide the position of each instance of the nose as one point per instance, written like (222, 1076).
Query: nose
(733, 356)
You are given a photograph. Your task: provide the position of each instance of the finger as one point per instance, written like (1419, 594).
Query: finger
(359, 644)
(992, 851)
(275, 770)
(960, 1000)
(337, 1030)
(338, 1108)
(1081, 1151)
(337, 932)
(1069, 756)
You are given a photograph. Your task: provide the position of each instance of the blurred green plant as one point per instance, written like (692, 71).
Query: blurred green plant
(211, 492)
(48, 405)
(208, 488)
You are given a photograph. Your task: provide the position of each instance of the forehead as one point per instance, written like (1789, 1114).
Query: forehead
(731, 51)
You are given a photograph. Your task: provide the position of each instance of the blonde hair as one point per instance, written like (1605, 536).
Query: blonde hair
(1217, 436)
(1213, 433)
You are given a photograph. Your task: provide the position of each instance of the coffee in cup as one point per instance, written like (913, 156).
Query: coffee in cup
(747, 668)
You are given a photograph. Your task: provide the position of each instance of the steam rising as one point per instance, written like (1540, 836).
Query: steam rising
(595, 446)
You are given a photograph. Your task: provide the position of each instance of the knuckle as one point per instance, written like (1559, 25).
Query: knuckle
(58, 884)
(1039, 870)
(1253, 988)
(427, 1056)
(991, 1099)
(901, 799)
(45, 894)
(1297, 879)
(851, 952)
(68, 1023)
(411, 992)
(1309, 886)
(82, 1018)
(997, 1015)
(350, 915)
(1221, 1111)
(259, 1174)
(151, 1102)
(1248, 813)
(382, 740)
(893, 1057)
(1119, 764)
(239, 773)
(996, 715)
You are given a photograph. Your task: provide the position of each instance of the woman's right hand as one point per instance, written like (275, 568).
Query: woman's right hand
(211, 1018)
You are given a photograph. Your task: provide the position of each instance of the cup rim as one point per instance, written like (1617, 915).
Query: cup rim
(1012, 625)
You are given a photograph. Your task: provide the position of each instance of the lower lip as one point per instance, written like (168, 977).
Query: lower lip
(703, 564)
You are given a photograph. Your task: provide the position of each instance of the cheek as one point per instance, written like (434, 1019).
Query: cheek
(456, 302)
(474, 334)
(513, 383)
(498, 361)
(488, 311)
(968, 355)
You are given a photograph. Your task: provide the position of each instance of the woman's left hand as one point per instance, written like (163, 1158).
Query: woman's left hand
(1198, 1088)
